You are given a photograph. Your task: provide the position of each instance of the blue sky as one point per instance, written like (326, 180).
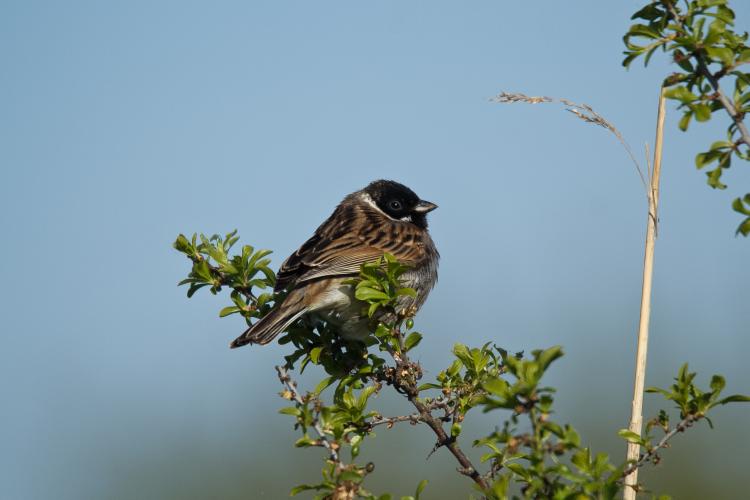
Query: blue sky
(124, 125)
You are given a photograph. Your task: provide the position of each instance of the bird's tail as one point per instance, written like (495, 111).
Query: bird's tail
(272, 324)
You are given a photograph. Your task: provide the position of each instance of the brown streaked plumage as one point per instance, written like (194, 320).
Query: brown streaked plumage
(383, 217)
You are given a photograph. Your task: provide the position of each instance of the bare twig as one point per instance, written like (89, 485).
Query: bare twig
(293, 393)
(582, 111)
(413, 419)
(636, 416)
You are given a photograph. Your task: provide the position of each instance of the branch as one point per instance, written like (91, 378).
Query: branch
(404, 381)
(291, 386)
(735, 115)
(663, 443)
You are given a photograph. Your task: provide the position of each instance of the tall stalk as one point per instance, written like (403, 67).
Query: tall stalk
(636, 416)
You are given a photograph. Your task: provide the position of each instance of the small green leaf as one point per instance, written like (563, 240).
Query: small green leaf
(685, 120)
(702, 112)
(365, 294)
(409, 292)
(182, 244)
(735, 398)
(519, 470)
(721, 54)
(412, 340)
(713, 178)
(420, 488)
(228, 310)
(738, 206)
(302, 487)
(744, 227)
(630, 436)
(322, 385)
(681, 94)
(497, 386)
(350, 475)
(315, 354)
(717, 383)
(304, 442)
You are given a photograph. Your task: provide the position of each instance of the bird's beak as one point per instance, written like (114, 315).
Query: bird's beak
(425, 206)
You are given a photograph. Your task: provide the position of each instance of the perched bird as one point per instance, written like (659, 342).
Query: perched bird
(383, 217)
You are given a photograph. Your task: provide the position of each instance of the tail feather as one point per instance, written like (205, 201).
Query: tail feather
(268, 327)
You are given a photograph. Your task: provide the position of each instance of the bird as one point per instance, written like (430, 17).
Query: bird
(384, 217)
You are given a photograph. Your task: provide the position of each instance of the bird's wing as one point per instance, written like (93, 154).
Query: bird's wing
(346, 241)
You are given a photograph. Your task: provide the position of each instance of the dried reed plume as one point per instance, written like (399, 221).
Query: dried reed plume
(582, 111)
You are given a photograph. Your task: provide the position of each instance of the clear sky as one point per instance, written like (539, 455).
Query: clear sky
(122, 125)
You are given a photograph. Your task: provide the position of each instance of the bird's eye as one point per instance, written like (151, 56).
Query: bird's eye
(394, 205)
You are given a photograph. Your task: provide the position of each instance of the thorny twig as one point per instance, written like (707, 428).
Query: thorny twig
(404, 379)
(663, 443)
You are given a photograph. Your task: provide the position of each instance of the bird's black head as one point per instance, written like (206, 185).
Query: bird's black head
(400, 202)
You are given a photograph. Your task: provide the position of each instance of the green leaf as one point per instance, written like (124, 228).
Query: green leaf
(711, 3)
(203, 271)
(322, 385)
(291, 410)
(721, 54)
(412, 340)
(497, 386)
(717, 383)
(315, 354)
(228, 310)
(649, 13)
(182, 244)
(547, 356)
(738, 206)
(744, 227)
(304, 442)
(735, 398)
(194, 288)
(409, 292)
(713, 178)
(519, 470)
(630, 436)
(350, 475)
(420, 488)
(641, 30)
(302, 487)
(581, 459)
(685, 120)
(681, 94)
(462, 353)
(366, 294)
(702, 112)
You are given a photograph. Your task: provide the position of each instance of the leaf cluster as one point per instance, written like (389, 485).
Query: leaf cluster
(213, 267)
(527, 455)
(699, 36)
